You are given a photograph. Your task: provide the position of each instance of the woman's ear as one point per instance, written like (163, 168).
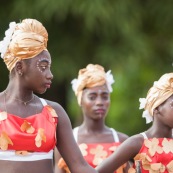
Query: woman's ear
(156, 111)
(19, 68)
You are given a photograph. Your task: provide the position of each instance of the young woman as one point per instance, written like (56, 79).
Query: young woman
(152, 149)
(95, 139)
(31, 127)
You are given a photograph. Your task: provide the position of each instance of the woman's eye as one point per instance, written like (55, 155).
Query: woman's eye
(92, 98)
(43, 67)
(105, 97)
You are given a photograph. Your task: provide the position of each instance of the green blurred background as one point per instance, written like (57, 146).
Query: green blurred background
(133, 38)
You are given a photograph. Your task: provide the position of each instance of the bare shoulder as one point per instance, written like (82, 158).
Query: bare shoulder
(64, 127)
(56, 106)
(62, 115)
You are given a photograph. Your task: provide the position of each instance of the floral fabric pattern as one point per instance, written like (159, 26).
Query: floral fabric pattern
(155, 156)
(5, 141)
(94, 154)
(26, 126)
(35, 133)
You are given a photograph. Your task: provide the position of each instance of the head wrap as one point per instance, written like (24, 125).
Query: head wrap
(23, 40)
(91, 76)
(157, 94)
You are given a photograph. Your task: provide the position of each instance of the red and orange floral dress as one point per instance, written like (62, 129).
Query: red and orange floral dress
(95, 153)
(30, 138)
(155, 155)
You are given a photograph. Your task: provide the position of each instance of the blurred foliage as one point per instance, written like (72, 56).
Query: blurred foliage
(133, 38)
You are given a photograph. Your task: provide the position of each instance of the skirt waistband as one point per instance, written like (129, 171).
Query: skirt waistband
(11, 156)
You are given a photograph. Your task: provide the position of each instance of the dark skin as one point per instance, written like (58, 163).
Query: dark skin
(36, 78)
(161, 128)
(95, 105)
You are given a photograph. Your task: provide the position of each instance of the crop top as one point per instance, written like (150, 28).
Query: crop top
(95, 153)
(155, 155)
(35, 133)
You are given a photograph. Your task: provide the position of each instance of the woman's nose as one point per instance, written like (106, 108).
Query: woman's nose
(50, 75)
(99, 101)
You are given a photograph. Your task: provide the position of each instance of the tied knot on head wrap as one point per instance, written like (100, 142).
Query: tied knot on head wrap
(27, 41)
(91, 76)
(157, 94)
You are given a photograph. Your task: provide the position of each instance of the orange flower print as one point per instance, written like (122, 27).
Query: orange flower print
(83, 148)
(99, 154)
(4, 141)
(62, 165)
(153, 146)
(143, 157)
(3, 116)
(169, 166)
(26, 126)
(131, 170)
(40, 137)
(113, 148)
(145, 160)
(167, 145)
(157, 168)
(53, 113)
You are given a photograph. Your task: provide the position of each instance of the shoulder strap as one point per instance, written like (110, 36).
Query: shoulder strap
(43, 101)
(144, 135)
(115, 135)
(75, 133)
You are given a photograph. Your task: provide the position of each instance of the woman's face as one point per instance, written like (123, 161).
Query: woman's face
(95, 102)
(38, 75)
(166, 112)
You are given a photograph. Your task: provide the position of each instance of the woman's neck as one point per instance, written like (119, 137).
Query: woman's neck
(93, 126)
(16, 91)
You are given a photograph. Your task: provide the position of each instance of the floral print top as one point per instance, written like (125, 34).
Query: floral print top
(155, 156)
(95, 153)
(35, 133)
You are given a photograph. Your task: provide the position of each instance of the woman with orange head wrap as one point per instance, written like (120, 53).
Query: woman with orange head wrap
(152, 150)
(96, 140)
(31, 127)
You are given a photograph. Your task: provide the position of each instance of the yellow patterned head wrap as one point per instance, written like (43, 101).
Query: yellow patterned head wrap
(157, 94)
(91, 76)
(23, 40)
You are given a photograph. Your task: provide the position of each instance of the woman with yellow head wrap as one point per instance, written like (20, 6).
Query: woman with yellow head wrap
(32, 127)
(152, 150)
(91, 76)
(161, 91)
(96, 140)
(27, 40)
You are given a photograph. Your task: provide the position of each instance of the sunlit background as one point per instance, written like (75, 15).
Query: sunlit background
(133, 38)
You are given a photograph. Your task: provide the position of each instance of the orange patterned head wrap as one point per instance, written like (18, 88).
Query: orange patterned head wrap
(23, 40)
(91, 76)
(157, 94)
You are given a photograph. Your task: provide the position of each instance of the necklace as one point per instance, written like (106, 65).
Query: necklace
(24, 102)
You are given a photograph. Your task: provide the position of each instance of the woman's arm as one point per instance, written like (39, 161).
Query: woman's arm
(122, 137)
(67, 145)
(59, 164)
(125, 152)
